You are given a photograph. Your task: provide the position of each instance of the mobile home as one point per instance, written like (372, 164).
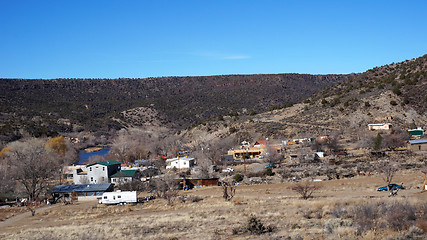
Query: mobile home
(118, 197)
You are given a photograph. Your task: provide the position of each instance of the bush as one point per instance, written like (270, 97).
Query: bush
(396, 90)
(269, 172)
(238, 177)
(255, 226)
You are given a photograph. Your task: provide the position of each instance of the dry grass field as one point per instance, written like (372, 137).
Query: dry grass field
(333, 213)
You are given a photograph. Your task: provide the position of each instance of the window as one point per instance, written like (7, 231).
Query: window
(105, 197)
(90, 169)
(103, 178)
(103, 168)
(91, 179)
(119, 196)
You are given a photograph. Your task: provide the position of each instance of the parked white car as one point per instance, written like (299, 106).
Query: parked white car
(228, 170)
(118, 197)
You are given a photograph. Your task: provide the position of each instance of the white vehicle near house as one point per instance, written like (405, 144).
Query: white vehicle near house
(118, 197)
(228, 170)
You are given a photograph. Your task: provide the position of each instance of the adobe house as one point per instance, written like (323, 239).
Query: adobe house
(246, 151)
(379, 126)
(419, 145)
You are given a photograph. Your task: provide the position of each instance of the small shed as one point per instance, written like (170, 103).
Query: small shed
(416, 133)
(80, 191)
(419, 145)
(200, 182)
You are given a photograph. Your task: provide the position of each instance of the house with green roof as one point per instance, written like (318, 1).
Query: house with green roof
(123, 176)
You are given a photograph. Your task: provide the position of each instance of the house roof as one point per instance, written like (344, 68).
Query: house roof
(379, 124)
(82, 188)
(180, 158)
(418, 141)
(124, 173)
(261, 142)
(105, 163)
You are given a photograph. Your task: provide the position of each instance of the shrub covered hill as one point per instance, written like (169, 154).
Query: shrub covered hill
(395, 93)
(47, 106)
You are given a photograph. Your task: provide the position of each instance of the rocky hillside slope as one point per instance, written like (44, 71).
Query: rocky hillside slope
(395, 93)
(43, 107)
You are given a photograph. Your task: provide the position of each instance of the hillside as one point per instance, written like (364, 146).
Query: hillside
(395, 93)
(43, 107)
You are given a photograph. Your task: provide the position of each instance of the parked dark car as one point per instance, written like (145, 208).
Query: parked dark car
(391, 186)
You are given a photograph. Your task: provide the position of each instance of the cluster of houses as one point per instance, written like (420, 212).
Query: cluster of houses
(92, 180)
(416, 144)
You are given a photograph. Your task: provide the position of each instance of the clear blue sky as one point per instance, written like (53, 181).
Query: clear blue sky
(111, 39)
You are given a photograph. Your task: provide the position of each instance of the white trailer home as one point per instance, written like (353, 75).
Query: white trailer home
(118, 197)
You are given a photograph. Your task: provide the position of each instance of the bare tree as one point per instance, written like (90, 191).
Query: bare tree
(33, 165)
(387, 169)
(305, 189)
(272, 156)
(165, 187)
(228, 189)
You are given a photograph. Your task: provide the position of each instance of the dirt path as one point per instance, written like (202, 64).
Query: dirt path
(17, 218)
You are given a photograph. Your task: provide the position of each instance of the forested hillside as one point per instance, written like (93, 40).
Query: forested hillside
(47, 106)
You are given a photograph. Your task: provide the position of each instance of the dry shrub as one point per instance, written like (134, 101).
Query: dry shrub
(400, 216)
(396, 216)
(311, 213)
(414, 233)
(253, 226)
(332, 225)
(306, 189)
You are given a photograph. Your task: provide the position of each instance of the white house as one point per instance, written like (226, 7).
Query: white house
(379, 126)
(180, 162)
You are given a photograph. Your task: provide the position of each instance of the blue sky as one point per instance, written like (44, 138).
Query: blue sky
(112, 39)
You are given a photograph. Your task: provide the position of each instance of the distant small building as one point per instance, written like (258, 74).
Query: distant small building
(123, 176)
(259, 149)
(416, 133)
(419, 145)
(379, 126)
(180, 162)
(80, 191)
(199, 182)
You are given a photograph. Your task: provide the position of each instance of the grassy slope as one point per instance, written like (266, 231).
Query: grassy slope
(213, 218)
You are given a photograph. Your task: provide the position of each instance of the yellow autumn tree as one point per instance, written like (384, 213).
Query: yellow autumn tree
(57, 144)
(5, 149)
